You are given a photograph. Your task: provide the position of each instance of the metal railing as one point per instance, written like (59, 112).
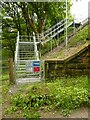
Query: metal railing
(26, 52)
(17, 48)
(48, 35)
(53, 27)
(26, 48)
(55, 30)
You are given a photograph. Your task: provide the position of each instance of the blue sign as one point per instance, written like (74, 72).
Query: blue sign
(36, 63)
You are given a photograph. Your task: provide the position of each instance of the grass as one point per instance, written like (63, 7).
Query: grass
(4, 57)
(62, 94)
(5, 81)
(74, 44)
(79, 37)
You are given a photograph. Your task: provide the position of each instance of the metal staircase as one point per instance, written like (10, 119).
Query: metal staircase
(56, 29)
(28, 67)
(27, 64)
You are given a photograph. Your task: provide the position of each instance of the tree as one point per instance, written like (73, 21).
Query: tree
(9, 36)
(47, 14)
(22, 17)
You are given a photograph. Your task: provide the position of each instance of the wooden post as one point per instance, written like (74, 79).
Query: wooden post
(11, 74)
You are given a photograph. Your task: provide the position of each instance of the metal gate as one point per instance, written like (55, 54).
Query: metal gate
(28, 67)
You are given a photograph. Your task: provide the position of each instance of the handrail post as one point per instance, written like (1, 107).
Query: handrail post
(17, 45)
(66, 23)
(35, 47)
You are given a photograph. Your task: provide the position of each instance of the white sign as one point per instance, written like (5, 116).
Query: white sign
(29, 66)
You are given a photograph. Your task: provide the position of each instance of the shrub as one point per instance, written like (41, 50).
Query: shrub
(61, 94)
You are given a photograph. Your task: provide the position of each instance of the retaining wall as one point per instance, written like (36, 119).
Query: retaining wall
(76, 65)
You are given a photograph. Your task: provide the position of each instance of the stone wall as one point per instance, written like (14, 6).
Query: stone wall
(75, 65)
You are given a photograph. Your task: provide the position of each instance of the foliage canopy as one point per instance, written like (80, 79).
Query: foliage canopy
(29, 17)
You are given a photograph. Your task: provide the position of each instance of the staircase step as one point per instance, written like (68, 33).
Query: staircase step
(22, 81)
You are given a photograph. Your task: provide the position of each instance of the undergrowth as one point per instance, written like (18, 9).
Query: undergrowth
(62, 94)
(75, 42)
(79, 37)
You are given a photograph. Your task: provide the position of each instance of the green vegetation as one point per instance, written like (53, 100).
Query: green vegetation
(29, 17)
(5, 81)
(62, 94)
(50, 45)
(80, 37)
(4, 57)
(75, 43)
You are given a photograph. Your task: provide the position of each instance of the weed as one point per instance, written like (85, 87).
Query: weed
(65, 94)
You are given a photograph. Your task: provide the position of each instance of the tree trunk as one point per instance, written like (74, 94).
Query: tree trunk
(42, 26)
(28, 18)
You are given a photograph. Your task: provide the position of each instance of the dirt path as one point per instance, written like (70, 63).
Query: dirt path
(79, 113)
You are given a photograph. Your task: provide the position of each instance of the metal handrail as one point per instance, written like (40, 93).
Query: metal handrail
(48, 34)
(54, 30)
(17, 48)
(35, 48)
(54, 26)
